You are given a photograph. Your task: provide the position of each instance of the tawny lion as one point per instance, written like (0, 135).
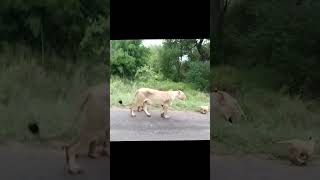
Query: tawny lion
(300, 151)
(146, 96)
(204, 109)
(227, 105)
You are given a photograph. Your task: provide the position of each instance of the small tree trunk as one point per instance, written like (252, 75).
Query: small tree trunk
(202, 53)
(179, 62)
(42, 41)
(218, 22)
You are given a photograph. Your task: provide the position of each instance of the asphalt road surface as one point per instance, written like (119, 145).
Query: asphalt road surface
(253, 168)
(180, 126)
(30, 163)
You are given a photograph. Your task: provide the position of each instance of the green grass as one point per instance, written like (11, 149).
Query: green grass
(121, 89)
(271, 115)
(28, 92)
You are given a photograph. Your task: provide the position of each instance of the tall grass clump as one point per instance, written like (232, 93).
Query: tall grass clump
(31, 92)
(123, 89)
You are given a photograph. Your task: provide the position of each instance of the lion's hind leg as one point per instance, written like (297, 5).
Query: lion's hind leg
(140, 108)
(137, 104)
(104, 151)
(133, 108)
(93, 150)
(98, 146)
(81, 147)
(166, 107)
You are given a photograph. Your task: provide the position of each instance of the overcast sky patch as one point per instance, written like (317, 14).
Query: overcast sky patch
(151, 42)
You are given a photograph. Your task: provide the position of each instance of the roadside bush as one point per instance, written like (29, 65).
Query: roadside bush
(147, 73)
(198, 74)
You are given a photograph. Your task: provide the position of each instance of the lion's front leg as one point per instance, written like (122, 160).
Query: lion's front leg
(145, 109)
(72, 167)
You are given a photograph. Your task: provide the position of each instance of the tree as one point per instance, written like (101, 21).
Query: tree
(277, 36)
(127, 56)
(55, 25)
(204, 53)
(172, 56)
(174, 50)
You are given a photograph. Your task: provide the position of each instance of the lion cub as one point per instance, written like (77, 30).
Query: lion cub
(204, 109)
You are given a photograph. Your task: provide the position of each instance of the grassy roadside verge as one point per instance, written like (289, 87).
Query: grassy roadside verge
(124, 90)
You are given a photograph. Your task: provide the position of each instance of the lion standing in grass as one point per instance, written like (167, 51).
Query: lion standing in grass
(227, 105)
(147, 96)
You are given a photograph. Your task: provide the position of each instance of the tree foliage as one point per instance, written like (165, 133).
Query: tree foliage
(279, 35)
(180, 60)
(127, 56)
(70, 28)
(171, 56)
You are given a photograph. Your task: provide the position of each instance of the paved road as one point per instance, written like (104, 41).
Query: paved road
(180, 126)
(252, 168)
(26, 163)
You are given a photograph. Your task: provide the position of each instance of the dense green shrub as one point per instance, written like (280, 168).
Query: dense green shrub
(198, 73)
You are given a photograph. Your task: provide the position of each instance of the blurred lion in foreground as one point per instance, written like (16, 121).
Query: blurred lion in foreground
(95, 131)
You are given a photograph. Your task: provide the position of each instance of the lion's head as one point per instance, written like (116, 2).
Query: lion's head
(181, 95)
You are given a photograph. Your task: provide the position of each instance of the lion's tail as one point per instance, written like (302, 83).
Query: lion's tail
(146, 101)
(134, 99)
(285, 141)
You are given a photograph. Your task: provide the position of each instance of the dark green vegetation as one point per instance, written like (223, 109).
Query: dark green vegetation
(131, 60)
(50, 51)
(160, 67)
(268, 57)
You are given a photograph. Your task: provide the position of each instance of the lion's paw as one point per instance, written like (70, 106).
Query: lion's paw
(74, 169)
